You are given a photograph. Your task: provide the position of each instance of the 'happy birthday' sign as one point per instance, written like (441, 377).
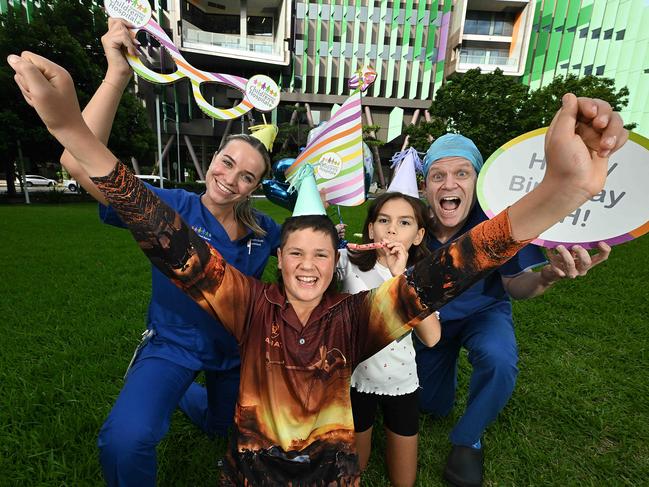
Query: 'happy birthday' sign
(619, 213)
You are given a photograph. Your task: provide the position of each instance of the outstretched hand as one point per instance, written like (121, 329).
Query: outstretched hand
(572, 263)
(49, 89)
(581, 137)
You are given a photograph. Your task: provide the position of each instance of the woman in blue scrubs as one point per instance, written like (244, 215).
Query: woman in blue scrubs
(181, 339)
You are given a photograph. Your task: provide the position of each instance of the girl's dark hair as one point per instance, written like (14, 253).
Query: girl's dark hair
(243, 211)
(366, 259)
(317, 223)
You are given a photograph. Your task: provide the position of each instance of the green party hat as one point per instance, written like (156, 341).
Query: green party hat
(308, 198)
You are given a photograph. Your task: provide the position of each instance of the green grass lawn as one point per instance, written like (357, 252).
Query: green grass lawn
(73, 297)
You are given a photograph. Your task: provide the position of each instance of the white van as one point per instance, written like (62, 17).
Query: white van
(152, 179)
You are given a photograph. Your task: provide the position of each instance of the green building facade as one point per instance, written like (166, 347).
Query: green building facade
(602, 38)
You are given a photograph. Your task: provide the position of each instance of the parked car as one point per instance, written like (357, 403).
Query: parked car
(36, 180)
(152, 179)
(71, 185)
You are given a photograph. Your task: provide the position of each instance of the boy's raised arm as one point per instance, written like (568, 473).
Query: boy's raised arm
(171, 245)
(581, 137)
(100, 111)
(49, 89)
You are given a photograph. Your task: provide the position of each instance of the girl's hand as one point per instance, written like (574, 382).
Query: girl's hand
(340, 229)
(396, 257)
(49, 89)
(116, 41)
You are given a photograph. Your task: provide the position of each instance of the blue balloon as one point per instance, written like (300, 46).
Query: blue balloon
(280, 167)
(368, 167)
(277, 192)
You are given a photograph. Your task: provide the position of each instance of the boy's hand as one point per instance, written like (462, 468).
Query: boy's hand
(49, 89)
(581, 137)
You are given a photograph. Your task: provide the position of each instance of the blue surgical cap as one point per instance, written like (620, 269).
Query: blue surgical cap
(453, 145)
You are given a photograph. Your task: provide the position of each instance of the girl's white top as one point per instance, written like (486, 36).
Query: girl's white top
(393, 370)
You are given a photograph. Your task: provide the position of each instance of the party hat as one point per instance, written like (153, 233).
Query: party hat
(336, 152)
(405, 164)
(308, 199)
(265, 133)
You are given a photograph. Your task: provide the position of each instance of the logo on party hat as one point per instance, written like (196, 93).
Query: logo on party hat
(329, 166)
(308, 198)
(265, 133)
(405, 164)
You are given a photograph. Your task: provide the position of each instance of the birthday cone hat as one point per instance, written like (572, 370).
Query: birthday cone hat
(404, 180)
(265, 133)
(308, 198)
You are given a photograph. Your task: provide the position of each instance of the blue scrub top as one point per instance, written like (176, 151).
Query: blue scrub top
(185, 334)
(489, 291)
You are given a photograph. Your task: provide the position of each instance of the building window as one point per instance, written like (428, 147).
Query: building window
(595, 33)
(489, 23)
(599, 71)
(499, 57)
(608, 34)
(588, 70)
(619, 35)
(583, 33)
(260, 26)
(217, 23)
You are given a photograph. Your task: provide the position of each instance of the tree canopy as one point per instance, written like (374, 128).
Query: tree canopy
(493, 108)
(68, 32)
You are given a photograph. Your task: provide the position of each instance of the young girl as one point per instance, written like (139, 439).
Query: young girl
(300, 341)
(389, 378)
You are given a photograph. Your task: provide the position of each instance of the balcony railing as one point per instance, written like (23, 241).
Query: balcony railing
(252, 44)
(487, 59)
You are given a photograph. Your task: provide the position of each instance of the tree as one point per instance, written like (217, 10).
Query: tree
(68, 32)
(484, 107)
(420, 135)
(492, 109)
(544, 102)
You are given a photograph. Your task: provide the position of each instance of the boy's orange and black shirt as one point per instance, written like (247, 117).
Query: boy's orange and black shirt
(293, 420)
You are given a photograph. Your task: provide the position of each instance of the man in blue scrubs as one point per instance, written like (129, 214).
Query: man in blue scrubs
(480, 319)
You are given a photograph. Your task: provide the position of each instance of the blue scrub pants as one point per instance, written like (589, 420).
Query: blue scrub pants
(489, 338)
(140, 417)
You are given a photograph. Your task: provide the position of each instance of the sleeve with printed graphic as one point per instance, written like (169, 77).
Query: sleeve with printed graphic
(191, 263)
(402, 302)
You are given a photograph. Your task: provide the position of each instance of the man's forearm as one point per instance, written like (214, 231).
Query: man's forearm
(527, 285)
